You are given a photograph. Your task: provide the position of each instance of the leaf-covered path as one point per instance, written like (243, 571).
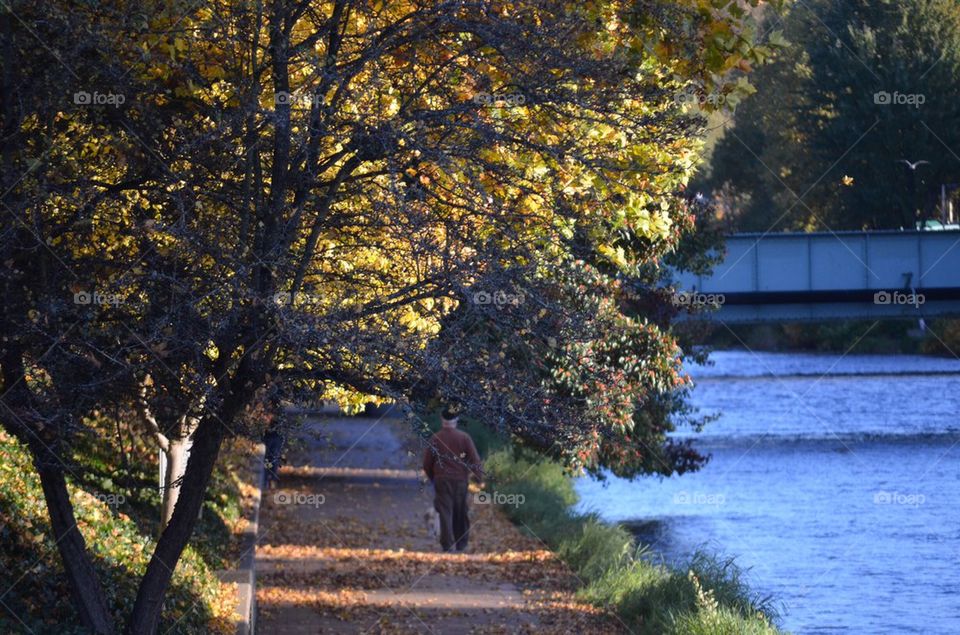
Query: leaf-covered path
(346, 547)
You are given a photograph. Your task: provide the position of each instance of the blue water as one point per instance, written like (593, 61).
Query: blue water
(835, 479)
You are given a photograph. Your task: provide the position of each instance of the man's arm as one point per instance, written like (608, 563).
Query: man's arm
(473, 459)
(429, 458)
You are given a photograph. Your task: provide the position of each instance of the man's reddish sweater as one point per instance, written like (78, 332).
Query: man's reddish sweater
(451, 456)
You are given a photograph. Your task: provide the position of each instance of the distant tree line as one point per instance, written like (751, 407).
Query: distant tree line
(853, 126)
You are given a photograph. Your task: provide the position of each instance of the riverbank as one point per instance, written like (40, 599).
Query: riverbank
(703, 594)
(938, 337)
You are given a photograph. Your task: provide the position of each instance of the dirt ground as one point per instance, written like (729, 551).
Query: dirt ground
(346, 546)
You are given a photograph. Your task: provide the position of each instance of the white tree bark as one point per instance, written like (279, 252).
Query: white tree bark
(176, 454)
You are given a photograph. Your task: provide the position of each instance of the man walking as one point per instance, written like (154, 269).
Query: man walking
(449, 460)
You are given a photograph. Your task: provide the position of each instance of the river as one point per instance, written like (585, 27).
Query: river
(834, 479)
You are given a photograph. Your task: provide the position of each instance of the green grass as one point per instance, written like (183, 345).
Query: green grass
(120, 537)
(708, 595)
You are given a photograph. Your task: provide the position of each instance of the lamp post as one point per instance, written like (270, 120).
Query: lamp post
(946, 205)
(913, 165)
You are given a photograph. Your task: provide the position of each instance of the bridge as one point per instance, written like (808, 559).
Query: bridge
(791, 277)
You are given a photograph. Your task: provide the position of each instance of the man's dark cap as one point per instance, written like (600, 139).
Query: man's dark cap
(449, 414)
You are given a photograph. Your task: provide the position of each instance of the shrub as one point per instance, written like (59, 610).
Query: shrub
(596, 549)
(36, 594)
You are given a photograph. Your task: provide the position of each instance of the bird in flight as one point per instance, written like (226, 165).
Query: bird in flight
(915, 164)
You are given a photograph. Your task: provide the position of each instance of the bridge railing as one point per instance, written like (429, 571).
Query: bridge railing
(817, 273)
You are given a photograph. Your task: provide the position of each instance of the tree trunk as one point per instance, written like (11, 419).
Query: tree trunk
(85, 587)
(203, 456)
(176, 466)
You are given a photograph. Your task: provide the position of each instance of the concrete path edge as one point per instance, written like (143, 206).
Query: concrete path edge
(245, 574)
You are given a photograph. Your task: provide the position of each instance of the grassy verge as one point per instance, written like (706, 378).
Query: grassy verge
(943, 338)
(708, 595)
(116, 501)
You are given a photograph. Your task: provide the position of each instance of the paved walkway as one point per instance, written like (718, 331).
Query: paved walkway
(346, 546)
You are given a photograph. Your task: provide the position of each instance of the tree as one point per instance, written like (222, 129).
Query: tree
(862, 86)
(209, 206)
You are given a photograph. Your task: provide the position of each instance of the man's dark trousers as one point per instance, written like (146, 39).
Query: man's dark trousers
(450, 501)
